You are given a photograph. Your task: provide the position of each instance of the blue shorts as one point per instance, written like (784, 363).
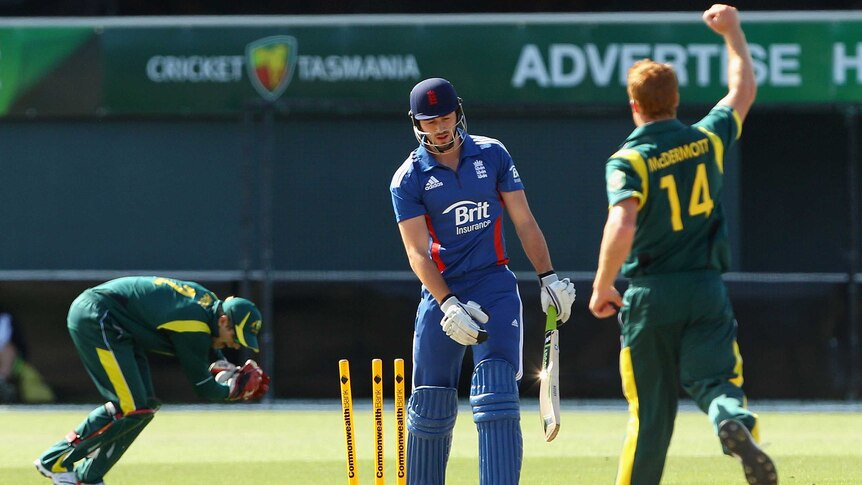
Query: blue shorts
(437, 359)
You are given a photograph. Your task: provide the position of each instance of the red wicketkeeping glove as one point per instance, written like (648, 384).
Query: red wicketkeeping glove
(246, 383)
(263, 388)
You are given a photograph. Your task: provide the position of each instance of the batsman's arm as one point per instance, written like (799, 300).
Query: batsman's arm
(616, 245)
(555, 292)
(741, 84)
(531, 236)
(414, 234)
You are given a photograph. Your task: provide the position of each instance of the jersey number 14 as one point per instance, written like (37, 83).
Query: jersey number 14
(699, 203)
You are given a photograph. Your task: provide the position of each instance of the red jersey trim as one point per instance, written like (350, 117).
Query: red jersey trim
(498, 242)
(435, 246)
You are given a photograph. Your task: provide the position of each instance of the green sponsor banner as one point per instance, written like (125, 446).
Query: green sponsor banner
(218, 69)
(29, 55)
(200, 66)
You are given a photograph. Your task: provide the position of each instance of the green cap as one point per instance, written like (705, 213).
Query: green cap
(246, 319)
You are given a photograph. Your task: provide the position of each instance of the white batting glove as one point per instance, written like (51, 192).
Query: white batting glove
(559, 293)
(461, 321)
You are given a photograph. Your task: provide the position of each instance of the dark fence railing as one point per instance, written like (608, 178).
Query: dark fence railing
(794, 333)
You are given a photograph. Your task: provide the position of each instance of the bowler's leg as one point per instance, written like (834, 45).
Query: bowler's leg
(652, 399)
(649, 373)
(712, 374)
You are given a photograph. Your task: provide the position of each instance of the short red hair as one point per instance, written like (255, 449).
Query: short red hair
(654, 87)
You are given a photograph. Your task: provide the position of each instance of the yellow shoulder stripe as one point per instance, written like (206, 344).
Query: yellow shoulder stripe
(637, 162)
(719, 147)
(738, 121)
(185, 326)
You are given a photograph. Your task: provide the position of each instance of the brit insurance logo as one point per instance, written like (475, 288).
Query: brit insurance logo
(470, 216)
(271, 62)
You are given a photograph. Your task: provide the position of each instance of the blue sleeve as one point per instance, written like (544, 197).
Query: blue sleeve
(508, 179)
(406, 196)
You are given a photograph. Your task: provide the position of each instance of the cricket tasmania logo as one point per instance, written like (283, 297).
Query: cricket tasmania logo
(271, 62)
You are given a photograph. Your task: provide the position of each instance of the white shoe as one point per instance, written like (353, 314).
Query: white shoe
(63, 478)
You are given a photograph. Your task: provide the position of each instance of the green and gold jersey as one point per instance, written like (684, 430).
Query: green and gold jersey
(676, 173)
(170, 317)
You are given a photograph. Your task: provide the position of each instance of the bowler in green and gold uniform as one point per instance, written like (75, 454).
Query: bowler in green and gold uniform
(113, 325)
(666, 231)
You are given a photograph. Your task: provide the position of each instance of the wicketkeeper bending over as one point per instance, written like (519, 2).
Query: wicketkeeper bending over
(112, 326)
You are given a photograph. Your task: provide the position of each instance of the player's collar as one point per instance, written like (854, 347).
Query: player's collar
(655, 127)
(469, 148)
(427, 161)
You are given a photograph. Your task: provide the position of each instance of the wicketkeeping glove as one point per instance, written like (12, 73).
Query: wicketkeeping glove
(262, 389)
(461, 321)
(223, 370)
(557, 292)
(249, 382)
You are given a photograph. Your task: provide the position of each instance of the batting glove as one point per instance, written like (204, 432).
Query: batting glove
(461, 321)
(559, 293)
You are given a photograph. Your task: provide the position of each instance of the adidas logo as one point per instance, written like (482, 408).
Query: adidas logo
(433, 183)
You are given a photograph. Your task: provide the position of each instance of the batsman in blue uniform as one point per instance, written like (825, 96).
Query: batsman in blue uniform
(113, 325)
(449, 197)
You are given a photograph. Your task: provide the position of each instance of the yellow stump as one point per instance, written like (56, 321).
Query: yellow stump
(400, 427)
(347, 414)
(377, 405)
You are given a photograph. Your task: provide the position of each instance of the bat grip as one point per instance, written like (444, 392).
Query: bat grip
(551, 321)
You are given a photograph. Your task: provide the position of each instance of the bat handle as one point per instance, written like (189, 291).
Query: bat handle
(551, 321)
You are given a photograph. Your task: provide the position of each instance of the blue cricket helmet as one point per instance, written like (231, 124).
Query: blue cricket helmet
(432, 98)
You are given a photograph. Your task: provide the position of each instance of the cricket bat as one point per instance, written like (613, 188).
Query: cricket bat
(549, 390)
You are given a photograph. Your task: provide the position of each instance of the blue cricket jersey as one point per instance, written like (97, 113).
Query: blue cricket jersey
(463, 208)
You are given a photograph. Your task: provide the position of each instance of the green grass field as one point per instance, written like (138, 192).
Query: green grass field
(250, 445)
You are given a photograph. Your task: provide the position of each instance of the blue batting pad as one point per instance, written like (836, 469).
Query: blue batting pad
(497, 414)
(431, 413)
